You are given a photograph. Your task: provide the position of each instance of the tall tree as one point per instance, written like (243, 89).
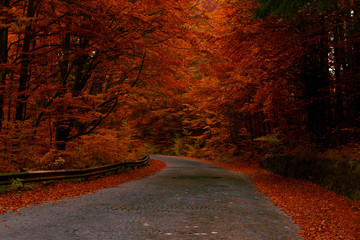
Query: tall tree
(4, 4)
(25, 61)
(330, 33)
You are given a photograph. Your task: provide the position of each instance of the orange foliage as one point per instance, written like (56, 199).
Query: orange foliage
(90, 65)
(105, 77)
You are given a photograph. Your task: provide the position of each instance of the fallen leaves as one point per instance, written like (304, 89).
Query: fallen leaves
(58, 190)
(320, 213)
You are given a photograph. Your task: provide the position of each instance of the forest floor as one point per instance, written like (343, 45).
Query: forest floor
(320, 213)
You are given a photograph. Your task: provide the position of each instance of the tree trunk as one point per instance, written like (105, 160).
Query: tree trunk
(3, 59)
(62, 133)
(317, 93)
(64, 63)
(251, 127)
(339, 68)
(82, 73)
(63, 127)
(353, 102)
(25, 63)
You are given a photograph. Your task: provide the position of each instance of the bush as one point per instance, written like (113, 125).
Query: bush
(180, 146)
(53, 160)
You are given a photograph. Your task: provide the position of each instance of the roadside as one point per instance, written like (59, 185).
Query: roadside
(186, 200)
(38, 193)
(320, 213)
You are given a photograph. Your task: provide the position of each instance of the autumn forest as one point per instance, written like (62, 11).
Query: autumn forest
(268, 88)
(97, 81)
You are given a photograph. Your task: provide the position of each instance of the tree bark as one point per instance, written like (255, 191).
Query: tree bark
(317, 92)
(25, 63)
(340, 65)
(62, 133)
(3, 60)
(353, 102)
(82, 72)
(63, 127)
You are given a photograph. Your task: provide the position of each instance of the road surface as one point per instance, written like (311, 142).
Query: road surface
(187, 200)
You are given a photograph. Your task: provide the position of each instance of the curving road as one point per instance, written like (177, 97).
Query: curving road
(187, 200)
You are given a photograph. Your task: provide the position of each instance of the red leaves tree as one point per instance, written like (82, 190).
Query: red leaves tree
(289, 72)
(76, 64)
(329, 31)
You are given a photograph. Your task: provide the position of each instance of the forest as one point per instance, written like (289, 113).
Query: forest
(83, 83)
(255, 86)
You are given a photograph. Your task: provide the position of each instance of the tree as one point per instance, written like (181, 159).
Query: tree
(4, 4)
(78, 66)
(329, 30)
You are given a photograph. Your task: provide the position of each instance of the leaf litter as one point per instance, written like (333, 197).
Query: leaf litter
(320, 213)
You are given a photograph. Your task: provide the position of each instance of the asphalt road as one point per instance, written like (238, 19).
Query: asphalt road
(187, 200)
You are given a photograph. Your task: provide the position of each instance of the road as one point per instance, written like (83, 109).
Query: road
(187, 200)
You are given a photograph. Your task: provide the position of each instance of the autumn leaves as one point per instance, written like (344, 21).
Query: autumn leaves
(69, 68)
(205, 73)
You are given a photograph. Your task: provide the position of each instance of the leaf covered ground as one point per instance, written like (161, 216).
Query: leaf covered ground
(57, 190)
(320, 213)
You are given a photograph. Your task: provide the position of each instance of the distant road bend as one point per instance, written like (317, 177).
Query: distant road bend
(187, 200)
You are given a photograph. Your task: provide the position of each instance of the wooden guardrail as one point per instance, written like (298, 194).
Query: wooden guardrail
(38, 176)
